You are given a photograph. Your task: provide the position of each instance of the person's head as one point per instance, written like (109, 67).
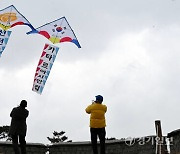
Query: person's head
(23, 103)
(99, 99)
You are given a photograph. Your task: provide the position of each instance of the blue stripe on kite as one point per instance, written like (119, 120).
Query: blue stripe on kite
(32, 32)
(46, 77)
(57, 50)
(47, 73)
(54, 57)
(44, 82)
(6, 40)
(3, 48)
(9, 33)
(76, 42)
(50, 66)
(41, 89)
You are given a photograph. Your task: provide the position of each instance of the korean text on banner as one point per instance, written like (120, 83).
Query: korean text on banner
(4, 37)
(44, 67)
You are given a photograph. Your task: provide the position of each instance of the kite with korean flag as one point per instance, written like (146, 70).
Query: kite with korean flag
(57, 31)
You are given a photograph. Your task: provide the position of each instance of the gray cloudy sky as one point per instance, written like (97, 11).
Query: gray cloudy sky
(130, 54)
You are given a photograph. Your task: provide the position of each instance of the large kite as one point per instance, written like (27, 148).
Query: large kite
(10, 17)
(57, 31)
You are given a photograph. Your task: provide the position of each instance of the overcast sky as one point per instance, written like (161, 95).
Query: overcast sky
(130, 54)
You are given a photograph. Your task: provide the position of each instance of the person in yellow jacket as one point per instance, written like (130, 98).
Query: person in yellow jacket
(97, 112)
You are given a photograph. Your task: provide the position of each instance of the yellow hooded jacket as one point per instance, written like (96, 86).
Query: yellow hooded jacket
(97, 118)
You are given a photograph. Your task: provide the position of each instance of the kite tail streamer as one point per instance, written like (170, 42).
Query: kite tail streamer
(4, 37)
(44, 67)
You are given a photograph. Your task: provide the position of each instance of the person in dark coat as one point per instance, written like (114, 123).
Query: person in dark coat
(18, 127)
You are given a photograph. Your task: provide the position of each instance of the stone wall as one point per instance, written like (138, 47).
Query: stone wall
(174, 141)
(32, 148)
(143, 145)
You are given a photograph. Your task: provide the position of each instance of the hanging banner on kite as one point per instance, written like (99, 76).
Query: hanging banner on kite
(4, 37)
(44, 67)
(10, 17)
(57, 31)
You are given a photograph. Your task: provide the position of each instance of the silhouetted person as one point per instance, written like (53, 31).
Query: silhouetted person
(97, 123)
(18, 127)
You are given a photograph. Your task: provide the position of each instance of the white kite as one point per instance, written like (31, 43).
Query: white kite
(9, 18)
(57, 31)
